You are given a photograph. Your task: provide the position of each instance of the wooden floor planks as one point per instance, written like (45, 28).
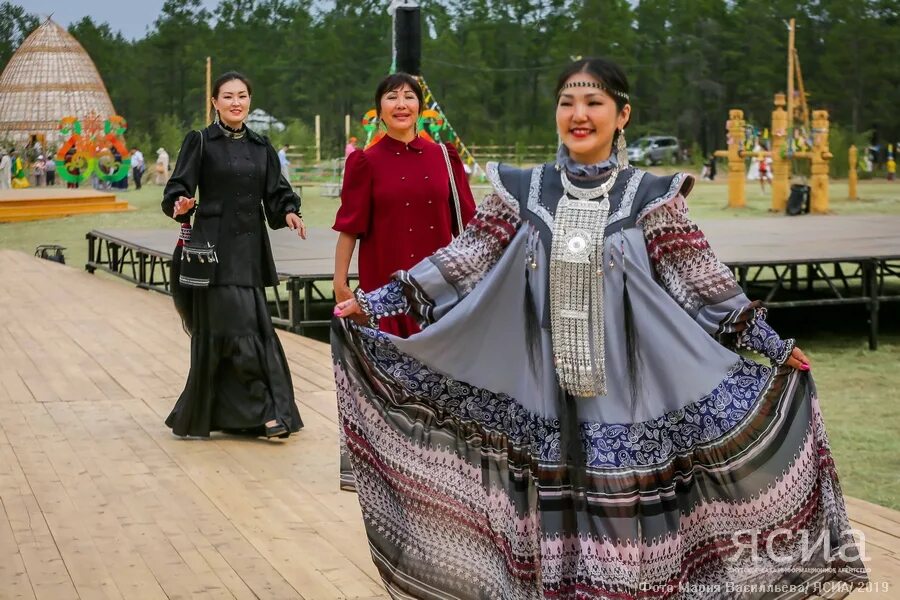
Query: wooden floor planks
(99, 500)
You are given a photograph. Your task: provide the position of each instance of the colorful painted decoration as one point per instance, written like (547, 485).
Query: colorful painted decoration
(430, 126)
(93, 147)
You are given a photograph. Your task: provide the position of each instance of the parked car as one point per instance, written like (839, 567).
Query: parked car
(654, 150)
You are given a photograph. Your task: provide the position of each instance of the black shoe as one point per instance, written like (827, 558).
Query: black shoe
(277, 431)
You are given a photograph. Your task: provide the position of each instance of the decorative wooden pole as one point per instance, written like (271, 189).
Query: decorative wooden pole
(781, 166)
(206, 101)
(318, 139)
(818, 194)
(853, 159)
(736, 175)
(790, 80)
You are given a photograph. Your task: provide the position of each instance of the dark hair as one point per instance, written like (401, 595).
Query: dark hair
(230, 76)
(396, 81)
(606, 71)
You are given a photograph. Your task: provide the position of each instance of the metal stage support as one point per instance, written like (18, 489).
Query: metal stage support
(145, 267)
(861, 281)
(150, 269)
(778, 283)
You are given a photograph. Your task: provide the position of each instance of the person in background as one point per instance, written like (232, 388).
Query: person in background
(137, 167)
(285, 163)
(37, 171)
(765, 171)
(711, 167)
(5, 170)
(161, 175)
(350, 148)
(50, 170)
(19, 172)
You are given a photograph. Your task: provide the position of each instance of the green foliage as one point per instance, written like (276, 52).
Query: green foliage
(168, 134)
(297, 134)
(142, 141)
(15, 26)
(493, 65)
(839, 141)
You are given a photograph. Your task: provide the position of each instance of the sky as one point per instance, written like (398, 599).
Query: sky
(131, 17)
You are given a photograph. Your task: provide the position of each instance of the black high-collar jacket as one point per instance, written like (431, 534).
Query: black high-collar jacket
(239, 182)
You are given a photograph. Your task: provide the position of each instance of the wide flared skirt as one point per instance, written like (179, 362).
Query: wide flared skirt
(239, 377)
(465, 494)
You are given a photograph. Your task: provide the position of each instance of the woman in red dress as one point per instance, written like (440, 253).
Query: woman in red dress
(396, 199)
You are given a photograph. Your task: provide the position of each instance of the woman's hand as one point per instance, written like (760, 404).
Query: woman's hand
(295, 222)
(797, 360)
(350, 309)
(342, 291)
(183, 206)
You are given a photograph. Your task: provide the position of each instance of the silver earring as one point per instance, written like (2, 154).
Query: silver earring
(621, 150)
(216, 118)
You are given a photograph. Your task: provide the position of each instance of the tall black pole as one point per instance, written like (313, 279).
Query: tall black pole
(407, 42)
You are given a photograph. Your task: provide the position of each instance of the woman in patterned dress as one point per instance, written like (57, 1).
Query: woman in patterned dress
(573, 420)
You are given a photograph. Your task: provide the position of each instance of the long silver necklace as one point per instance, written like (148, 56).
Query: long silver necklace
(576, 287)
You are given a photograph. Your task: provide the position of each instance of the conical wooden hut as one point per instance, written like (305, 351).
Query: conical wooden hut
(50, 76)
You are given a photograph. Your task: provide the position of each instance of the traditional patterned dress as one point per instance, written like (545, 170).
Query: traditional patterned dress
(480, 476)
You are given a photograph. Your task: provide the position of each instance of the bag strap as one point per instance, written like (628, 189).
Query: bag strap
(199, 168)
(201, 158)
(453, 190)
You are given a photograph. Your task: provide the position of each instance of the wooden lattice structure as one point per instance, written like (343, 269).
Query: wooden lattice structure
(50, 76)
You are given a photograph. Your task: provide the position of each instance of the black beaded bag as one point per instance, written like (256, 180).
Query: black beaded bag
(197, 259)
(197, 264)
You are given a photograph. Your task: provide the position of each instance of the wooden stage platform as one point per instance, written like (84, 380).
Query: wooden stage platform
(785, 261)
(99, 500)
(35, 203)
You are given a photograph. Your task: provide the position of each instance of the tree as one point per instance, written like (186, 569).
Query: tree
(15, 26)
(493, 63)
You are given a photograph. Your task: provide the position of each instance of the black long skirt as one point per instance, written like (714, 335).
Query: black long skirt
(239, 378)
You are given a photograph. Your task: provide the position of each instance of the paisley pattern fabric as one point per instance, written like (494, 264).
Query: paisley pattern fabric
(469, 490)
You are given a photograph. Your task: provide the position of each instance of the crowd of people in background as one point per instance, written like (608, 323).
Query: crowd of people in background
(33, 166)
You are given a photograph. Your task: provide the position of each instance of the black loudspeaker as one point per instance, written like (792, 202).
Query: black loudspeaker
(408, 42)
(798, 201)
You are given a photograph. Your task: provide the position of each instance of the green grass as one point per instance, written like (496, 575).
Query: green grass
(70, 232)
(857, 388)
(709, 200)
(858, 393)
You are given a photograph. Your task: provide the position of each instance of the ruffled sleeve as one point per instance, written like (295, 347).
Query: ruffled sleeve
(185, 177)
(466, 199)
(354, 215)
(280, 199)
(704, 287)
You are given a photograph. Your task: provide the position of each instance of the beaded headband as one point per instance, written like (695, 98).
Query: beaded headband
(597, 85)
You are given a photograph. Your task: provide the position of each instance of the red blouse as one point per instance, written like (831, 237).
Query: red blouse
(396, 199)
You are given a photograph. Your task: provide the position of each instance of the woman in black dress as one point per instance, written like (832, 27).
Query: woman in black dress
(239, 380)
